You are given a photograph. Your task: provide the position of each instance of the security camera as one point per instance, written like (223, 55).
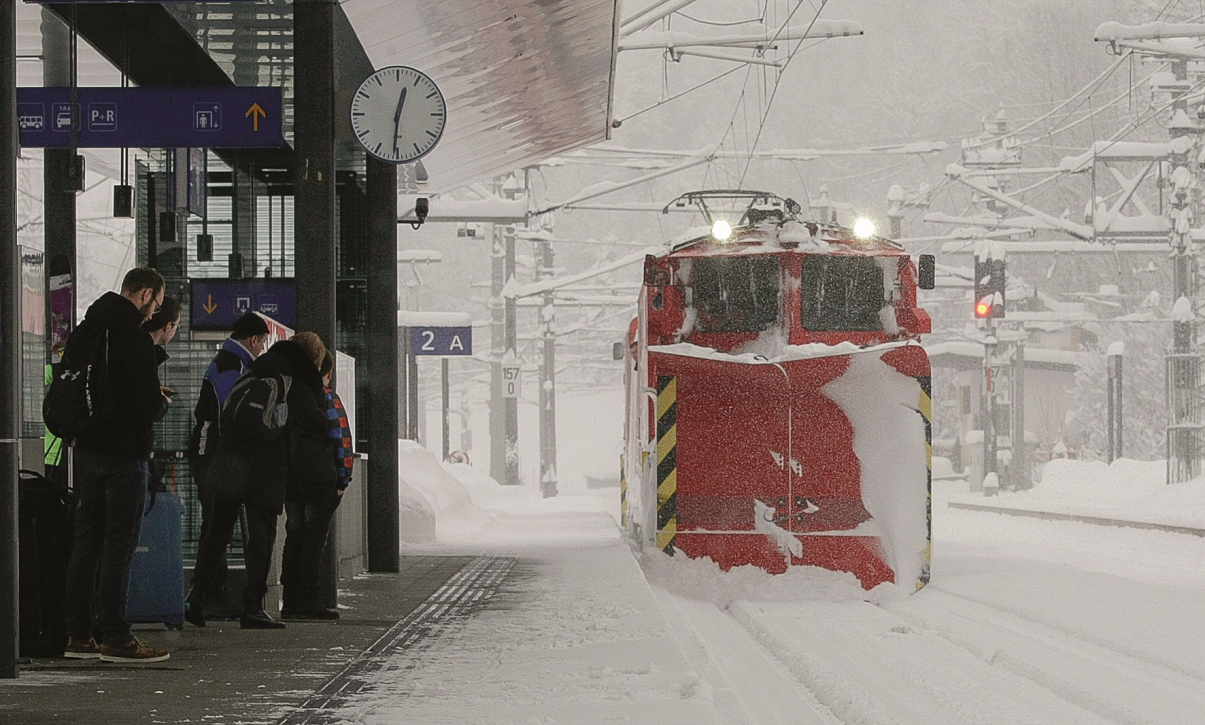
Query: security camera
(421, 209)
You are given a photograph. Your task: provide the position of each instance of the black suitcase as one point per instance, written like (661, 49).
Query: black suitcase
(45, 531)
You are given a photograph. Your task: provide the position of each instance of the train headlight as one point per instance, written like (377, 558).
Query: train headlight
(863, 229)
(721, 230)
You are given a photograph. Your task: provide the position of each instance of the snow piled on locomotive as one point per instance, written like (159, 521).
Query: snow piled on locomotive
(778, 401)
(880, 403)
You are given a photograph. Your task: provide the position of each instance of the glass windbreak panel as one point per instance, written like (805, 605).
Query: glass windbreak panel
(736, 294)
(841, 293)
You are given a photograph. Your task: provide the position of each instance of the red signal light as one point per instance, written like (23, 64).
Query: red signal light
(983, 308)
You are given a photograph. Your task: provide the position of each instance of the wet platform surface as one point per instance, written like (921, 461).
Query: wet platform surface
(223, 674)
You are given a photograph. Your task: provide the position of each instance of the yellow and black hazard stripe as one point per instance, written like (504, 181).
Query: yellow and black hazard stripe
(926, 411)
(623, 492)
(667, 462)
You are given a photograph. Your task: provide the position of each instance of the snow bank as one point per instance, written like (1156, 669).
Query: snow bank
(1126, 490)
(430, 498)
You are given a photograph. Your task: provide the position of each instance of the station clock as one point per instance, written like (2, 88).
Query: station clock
(398, 114)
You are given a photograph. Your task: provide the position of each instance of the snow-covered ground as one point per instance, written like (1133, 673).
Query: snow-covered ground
(1025, 620)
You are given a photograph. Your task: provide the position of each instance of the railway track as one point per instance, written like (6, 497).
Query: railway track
(932, 659)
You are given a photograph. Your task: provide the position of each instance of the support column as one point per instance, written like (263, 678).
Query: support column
(314, 168)
(381, 342)
(547, 380)
(445, 398)
(989, 401)
(10, 342)
(497, 350)
(58, 200)
(1184, 361)
(511, 357)
(1022, 480)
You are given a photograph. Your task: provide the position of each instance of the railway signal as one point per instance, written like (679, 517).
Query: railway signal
(989, 287)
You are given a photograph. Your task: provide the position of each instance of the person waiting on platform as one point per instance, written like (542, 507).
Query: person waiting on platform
(252, 473)
(163, 326)
(111, 470)
(247, 341)
(319, 475)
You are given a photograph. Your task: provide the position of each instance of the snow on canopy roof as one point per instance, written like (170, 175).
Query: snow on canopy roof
(1123, 151)
(1148, 31)
(411, 318)
(964, 355)
(524, 80)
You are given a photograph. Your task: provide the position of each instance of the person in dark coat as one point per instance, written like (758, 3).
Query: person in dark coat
(111, 471)
(162, 327)
(313, 493)
(247, 341)
(253, 474)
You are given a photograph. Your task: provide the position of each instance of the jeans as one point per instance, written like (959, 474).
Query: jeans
(110, 493)
(261, 536)
(306, 527)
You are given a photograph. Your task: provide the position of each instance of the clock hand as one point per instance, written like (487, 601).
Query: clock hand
(397, 119)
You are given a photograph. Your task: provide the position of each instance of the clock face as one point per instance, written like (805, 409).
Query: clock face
(398, 113)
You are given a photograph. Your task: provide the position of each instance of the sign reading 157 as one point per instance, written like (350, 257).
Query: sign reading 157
(441, 340)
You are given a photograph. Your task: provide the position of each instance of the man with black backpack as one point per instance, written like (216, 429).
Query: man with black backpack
(277, 400)
(111, 454)
(247, 341)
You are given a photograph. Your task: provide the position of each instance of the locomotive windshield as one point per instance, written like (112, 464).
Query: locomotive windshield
(841, 293)
(736, 294)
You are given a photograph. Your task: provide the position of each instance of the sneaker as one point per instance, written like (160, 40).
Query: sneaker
(132, 651)
(81, 649)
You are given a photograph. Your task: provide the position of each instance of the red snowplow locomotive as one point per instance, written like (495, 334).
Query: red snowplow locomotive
(778, 397)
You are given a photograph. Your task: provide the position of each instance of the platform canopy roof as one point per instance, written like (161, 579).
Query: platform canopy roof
(524, 80)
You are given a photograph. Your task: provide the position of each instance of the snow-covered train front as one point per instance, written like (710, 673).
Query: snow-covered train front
(778, 397)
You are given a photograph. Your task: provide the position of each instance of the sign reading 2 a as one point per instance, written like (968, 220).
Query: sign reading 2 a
(398, 114)
(441, 340)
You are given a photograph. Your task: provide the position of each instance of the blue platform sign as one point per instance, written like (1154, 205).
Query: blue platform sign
(217, 303)
(88, 2)
(441, 340)
(230, 117)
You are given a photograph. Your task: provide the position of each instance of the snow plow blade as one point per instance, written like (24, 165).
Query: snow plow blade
(818, 457)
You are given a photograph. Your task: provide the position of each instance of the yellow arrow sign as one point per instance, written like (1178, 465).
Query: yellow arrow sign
(255, 112)
(209, 307)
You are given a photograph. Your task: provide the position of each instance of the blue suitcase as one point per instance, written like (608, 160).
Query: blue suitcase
(156, 592)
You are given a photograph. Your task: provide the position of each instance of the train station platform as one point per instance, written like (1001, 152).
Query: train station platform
(222, 674)
(526, 610)
(1127, 493)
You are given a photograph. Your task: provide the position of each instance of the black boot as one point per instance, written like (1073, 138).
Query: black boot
(194, 610)
(258, 620)
(254, 616)
(310, 611)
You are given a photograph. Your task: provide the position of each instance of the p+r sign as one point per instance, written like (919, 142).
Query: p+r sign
(431, 340)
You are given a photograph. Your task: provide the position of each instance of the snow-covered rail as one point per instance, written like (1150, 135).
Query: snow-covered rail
(1083, 669)
(934, 658)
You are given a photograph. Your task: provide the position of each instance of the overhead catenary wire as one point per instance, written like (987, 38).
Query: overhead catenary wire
(778, 81)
